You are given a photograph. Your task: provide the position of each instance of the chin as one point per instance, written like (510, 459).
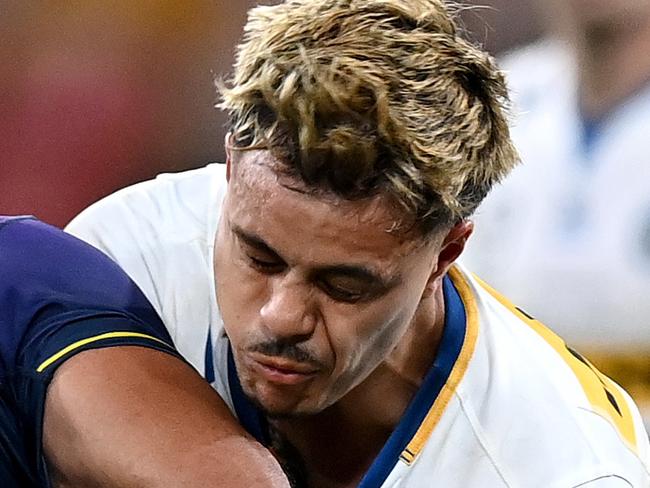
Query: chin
(278, 406)
(281, 410)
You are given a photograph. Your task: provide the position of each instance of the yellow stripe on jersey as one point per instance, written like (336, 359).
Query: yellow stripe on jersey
(460, 367)
(88, 340)
(603, 394)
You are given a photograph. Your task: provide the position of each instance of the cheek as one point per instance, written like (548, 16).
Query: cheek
(363, 343)
(238, 294)
(361, 353)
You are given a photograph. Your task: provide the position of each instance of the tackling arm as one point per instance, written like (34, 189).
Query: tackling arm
(136, 417)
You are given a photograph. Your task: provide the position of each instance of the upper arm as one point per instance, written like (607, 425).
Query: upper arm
(121, 406)
(58, 297)
(129, 416)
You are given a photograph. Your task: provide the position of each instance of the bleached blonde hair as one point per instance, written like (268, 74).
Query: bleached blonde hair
(362, 96)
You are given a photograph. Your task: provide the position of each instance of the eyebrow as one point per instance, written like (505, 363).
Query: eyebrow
(358, 272)
(253, 240)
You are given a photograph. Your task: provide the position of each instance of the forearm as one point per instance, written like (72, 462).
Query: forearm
(133, 417)
(249, 467)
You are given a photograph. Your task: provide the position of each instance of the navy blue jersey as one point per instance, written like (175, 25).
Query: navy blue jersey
(58, 297)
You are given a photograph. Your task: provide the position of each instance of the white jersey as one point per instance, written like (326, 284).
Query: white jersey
(567, 235)
(505, 404)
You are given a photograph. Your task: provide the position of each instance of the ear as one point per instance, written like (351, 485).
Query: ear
(451, 247)
(226, 144)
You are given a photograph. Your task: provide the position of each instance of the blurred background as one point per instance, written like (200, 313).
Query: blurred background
(96, 95)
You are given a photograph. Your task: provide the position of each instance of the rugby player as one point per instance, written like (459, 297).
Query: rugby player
(313, 281)
(92, 391)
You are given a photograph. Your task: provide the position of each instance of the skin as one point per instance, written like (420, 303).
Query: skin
(135, 417)
(611, 39)
(334, 319)
(604, 12)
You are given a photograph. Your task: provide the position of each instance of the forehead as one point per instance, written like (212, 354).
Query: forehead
(283, 212)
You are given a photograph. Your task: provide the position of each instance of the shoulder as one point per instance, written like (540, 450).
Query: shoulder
(149, 226)
(41, 258)
(161, 232)
(56, 289)
(541, 411)
(170, 204)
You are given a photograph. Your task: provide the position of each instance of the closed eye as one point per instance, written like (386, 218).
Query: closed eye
(257, 253)
(340, 293)
(265, 265)
(351, 283)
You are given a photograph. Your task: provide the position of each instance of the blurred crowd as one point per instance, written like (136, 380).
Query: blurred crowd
(95, 96)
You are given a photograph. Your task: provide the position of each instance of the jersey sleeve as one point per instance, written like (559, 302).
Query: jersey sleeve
(59, 297)
(161, 233)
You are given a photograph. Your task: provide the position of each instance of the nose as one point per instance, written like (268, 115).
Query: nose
(288, 312)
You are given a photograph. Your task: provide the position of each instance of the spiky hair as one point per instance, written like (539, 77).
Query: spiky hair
(362, 96)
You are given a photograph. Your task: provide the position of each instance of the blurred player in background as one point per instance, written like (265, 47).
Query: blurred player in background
(574, 218)
(501, 25)
(311, 279)
(92, 392)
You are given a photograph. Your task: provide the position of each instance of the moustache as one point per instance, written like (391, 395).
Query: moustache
(287, 350)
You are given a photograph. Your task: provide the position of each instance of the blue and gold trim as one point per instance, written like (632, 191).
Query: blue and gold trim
(464, 299)
(75, 346)
(449, 366)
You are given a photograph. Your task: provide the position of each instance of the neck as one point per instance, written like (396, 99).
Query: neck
(360, 423)
(613, 64)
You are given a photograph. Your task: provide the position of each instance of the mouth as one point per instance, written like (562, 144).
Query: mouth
(281, 371)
